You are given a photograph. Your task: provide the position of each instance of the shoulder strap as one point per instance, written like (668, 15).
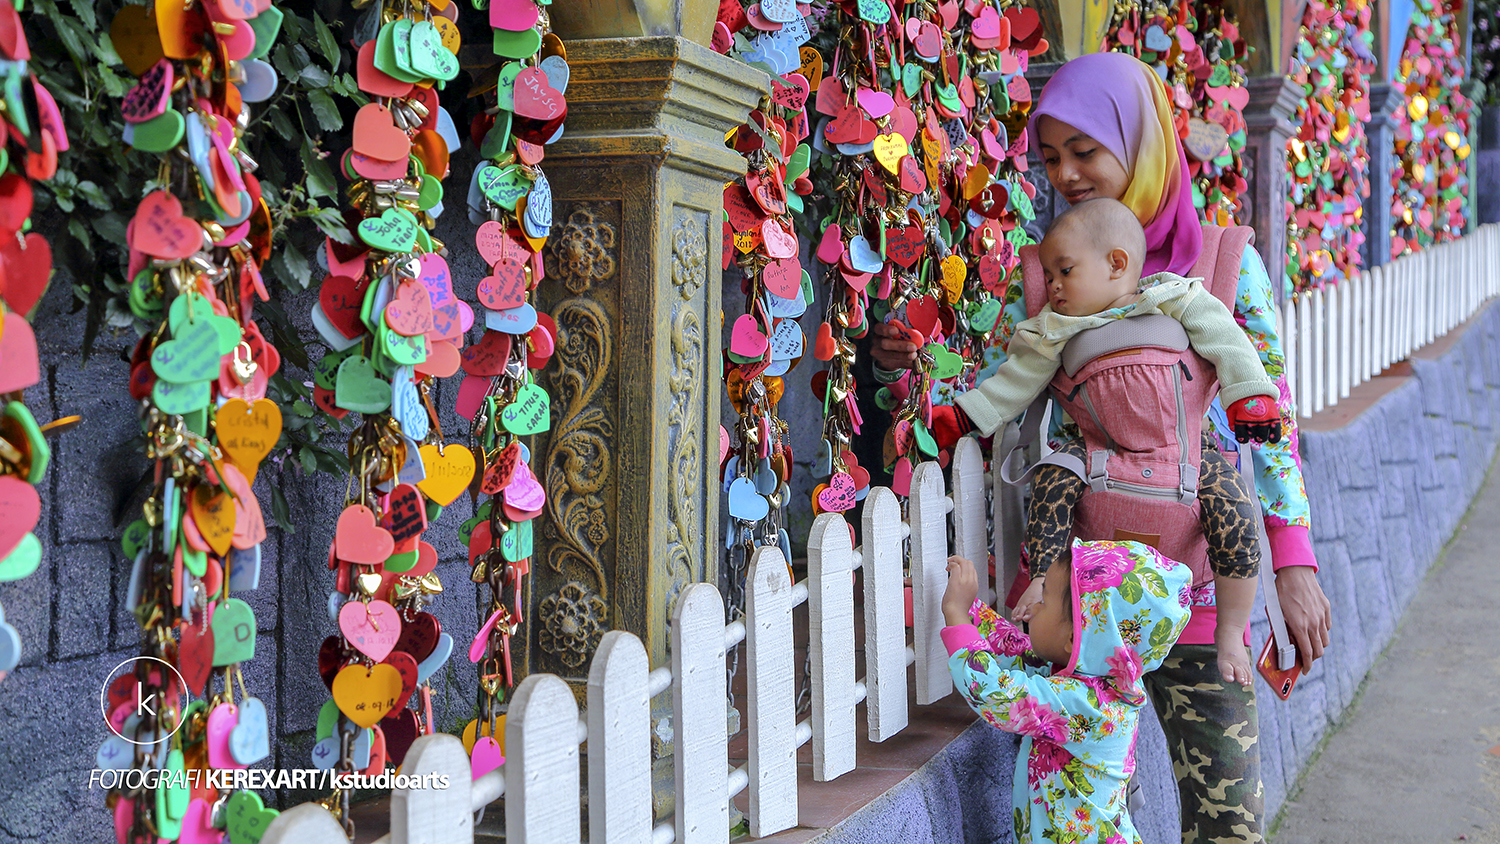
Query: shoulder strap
(1286, 651)
(1033, 282)
(1219, 262)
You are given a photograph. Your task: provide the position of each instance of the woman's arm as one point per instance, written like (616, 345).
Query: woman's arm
(1279, 476)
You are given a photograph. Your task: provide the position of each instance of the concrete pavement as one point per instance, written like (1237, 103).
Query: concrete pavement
(1416, 757)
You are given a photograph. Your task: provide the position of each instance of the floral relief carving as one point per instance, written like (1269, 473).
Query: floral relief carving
(685, 385)
(572, 623)
(581, 251)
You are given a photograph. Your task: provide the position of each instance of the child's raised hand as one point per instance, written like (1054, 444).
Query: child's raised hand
(1234, 658)
(1026, 604)
(963, 588)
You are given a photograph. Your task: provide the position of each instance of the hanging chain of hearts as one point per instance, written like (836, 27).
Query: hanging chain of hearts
(196, 245)
(1430, 182)
(765, 342)
(511, 202)
(31, 136)
(393, 326)
(1197, 50)
(1327, 157)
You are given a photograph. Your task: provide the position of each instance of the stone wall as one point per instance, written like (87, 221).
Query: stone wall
(1387, 491)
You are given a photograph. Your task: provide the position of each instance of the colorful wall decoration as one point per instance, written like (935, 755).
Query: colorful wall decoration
(1432, 140)
(1197, 50)
(1328, 158)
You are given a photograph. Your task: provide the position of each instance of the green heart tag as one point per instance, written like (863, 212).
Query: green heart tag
(265, 26)
(434, 510)
(503, 186)
(326, 370)
(1220, 76)
(884, 400)
(359, 388)
(874, 11)
(516, 543)
(401, 46)
(505, 87)
(428, 55)
(1020, 202)
(385, 53)
(946, 364)
(161, 133)
(328, 720)
(178, 399)
(982, 321)
(807, 288)
(924, 440)
(22, 560)
(431, 193)
(516, 45)
(135, 537)
(193, 355)
(406, 351)
(799, 162)
(529, 413)
(393, 231)
(401, 562)
(466, 529)
(41, 453)
(911, 78)
(234, 633)
(247, 817)
(194, 560)
(1302, 168)
(948, 96)
(172, 797)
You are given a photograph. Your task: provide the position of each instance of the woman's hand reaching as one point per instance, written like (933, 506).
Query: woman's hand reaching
(891, 347)
(963, 588)
(1026, 604)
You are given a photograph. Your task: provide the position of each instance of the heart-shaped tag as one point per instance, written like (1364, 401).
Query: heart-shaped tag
(372, 628)
(746, 339)
(745, 503)
(505, 287)
(838, 496)
(27, 266)
(195, 656)
(160, 230)
(149, 98)
(375, 134)
(247, 432)
(249, 741)
(395, 230)
(212, 511)
(529, 412)
(449, 469)
(365, 695)
(360, 388)
(234, 633)
(535, 98)
(358, 539)
(247, 818)
(889, 150)
(524, 492)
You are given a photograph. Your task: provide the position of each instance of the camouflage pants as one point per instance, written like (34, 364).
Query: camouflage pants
(1213, 737)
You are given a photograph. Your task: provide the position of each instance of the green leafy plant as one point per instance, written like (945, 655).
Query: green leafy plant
(85, 208)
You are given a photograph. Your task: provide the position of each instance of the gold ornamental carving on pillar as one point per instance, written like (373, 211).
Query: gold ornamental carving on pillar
(579, 463)
(685, 384)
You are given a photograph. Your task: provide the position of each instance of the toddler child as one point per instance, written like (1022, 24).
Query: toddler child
(1091, 258)
(1109, 613)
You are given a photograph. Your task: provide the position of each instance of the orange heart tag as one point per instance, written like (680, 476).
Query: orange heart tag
(449, 470)
(954, 272)
(248, 432)
(182, 27)
(213, 513)
(376, 135)
(365, 695)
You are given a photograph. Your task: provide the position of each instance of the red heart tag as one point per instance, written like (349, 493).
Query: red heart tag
(158, 229)
(27, 268)
(410, 313)
(922, 314)
(342, 299)
(506, 286)
(904, 245)
(487, 358)
(535, 98)
(195, 656)
(376, 134)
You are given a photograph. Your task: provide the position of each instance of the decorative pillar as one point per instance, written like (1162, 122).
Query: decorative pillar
(634, 272)
(1268, 123)
(1379, 136)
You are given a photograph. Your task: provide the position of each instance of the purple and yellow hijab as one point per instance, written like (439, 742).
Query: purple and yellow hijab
(1120, 102)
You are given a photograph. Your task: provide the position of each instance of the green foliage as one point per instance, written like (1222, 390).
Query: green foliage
(85, 208)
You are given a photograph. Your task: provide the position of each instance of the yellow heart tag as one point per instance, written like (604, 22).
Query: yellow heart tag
(248, 432)
(136, 42)
(366, 695)
(747, 240)
(933, 153)
(449, 471)
(977, 180)
(954, 273)
(889, 150)
(448, 31)
(213, 513)
(495, 731)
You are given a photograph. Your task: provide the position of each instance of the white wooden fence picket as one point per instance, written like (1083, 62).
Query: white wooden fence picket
(1334, 340)
(1341, 336)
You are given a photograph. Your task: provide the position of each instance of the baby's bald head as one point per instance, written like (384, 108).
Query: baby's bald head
(1105, 224)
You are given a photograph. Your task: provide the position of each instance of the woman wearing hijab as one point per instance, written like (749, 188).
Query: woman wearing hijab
(1103, 125)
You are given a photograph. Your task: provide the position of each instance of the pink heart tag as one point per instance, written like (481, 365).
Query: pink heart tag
(486, 757)
(410, 313)
(490, 240)
(506, 286)
(839, 496)
(524, 492)
(877, 104)
(723, 444)
(779, 242)
(534, 95)
(161, 230)
(149, 97)
(513, 15)
(831, 247)
(221, 722)
(745, 339)
(783, 278)
(372, 628)
(197, 824)
(249, 521)
(901, 478)
(20, 507)
(471, 393)
(359, 539)
(482, 638)
(19, 366)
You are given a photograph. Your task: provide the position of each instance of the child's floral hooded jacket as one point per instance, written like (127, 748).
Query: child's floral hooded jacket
(1078, 724)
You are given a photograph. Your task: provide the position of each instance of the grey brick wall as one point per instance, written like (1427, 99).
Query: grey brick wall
(1387, 491)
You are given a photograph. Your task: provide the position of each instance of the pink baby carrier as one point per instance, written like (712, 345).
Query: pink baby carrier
(1139, 395)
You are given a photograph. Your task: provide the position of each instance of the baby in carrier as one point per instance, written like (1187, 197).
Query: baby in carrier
(1091, 258)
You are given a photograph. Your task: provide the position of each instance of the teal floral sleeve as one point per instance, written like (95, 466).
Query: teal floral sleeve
(1279, 465)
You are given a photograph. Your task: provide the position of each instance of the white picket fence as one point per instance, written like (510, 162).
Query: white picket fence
(1341, 336)
(544, 729)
